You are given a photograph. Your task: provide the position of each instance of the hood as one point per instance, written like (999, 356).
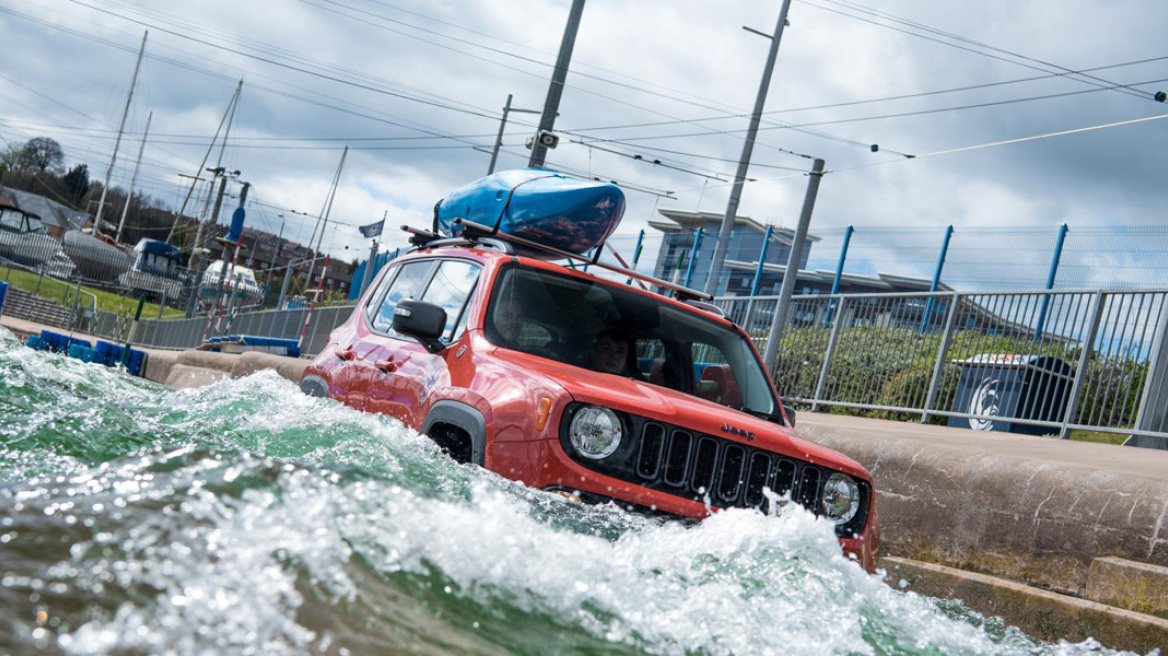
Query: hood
(672, 407)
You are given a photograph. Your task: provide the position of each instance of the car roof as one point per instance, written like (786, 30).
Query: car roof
(497, 258)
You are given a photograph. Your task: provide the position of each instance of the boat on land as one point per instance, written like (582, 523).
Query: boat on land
(243, 289)
(24, 241)
(98, 257)
(539, 205)
(156, 268)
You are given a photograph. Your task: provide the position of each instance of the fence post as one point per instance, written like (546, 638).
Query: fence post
(1054, 265)
(831, 343)
(1084, 360)
(766, 242)
(1152, 414)
(637, 253)
(942, 354)
(839, 273)
(693, 256)
(936, 277)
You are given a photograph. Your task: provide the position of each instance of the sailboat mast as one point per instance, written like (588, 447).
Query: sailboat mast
(134, 180)
(324, 219)
(118, 141)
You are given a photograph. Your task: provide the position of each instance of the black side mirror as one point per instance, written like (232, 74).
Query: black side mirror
(422, 321)
(790, 415)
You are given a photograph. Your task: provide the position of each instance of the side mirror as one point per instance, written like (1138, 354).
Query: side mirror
(422, 321)
(790, 415)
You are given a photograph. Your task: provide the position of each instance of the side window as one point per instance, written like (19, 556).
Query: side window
(406, 286)
(451, 286)
(379, 293)
(713, 377)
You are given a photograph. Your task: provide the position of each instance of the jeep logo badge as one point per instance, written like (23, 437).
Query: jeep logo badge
(727, 428)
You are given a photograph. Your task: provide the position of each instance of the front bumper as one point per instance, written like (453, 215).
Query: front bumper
(544, 464)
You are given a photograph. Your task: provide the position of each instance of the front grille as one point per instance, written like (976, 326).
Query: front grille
(713, 470)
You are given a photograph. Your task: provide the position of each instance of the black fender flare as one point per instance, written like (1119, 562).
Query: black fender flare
(464, 417)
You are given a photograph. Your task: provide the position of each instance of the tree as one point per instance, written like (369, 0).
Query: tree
(77, 182)
(42, 154)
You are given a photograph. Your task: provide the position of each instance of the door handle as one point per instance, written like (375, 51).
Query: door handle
(346, 354)
(387, 366)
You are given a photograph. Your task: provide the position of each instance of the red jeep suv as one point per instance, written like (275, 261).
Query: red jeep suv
(585, 386)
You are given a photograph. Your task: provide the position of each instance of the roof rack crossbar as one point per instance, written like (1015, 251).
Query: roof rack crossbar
(421, 239)
(679, 290)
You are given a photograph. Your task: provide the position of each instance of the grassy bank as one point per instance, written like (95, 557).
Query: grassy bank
(63, 293)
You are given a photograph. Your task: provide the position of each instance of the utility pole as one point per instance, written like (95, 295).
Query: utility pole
(118, 142)
(791, 274)
(229, 112)
(723, 242)
(214, 218)
(134, 179)
(199, 236)
(507, 109)
(547, 121)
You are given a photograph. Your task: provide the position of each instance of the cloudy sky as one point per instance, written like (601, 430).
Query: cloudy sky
(416, 90)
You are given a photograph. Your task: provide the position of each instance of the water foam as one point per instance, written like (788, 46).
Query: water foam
(248, 518)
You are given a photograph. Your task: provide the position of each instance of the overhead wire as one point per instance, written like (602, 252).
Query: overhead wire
(1122, 88)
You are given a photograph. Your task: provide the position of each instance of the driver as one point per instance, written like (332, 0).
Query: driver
(611, 354)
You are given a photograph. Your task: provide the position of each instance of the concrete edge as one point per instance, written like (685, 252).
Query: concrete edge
(1041, 613)
(1141, 587)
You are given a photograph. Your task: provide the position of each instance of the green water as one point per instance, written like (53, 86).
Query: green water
(246, 518)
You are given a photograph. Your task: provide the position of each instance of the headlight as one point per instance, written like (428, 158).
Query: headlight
(841, 498)
(595, 432)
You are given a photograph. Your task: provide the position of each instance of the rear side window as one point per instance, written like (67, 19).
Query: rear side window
(406, 286)
(451, 286)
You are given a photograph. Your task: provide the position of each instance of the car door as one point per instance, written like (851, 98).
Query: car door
(406, 373)
(350, 377)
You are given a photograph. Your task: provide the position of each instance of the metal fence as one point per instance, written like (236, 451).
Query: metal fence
(1052, 362)
(189, 333)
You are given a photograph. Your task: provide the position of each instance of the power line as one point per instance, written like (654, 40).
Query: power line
(851, 103)
(896, 115)
(1126, 89)
(291, 67)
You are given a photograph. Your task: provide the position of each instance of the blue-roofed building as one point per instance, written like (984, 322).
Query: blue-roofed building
(746, 241)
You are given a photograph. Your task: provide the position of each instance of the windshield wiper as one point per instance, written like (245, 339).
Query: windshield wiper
(769, 416)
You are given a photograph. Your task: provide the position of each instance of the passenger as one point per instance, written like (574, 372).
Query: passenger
(612, 354)
(509, 320)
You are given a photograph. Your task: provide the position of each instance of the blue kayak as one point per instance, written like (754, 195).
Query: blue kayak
(537, 204)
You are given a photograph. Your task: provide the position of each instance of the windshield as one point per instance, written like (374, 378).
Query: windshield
(611, 329)
(35, 226)
(11, 221)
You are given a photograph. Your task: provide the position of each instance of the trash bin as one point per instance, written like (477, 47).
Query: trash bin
(1012, 387)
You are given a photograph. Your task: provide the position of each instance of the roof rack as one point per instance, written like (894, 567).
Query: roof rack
(478, 231)
(421, 239)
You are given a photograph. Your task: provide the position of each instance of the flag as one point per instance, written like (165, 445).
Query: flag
(372, 230)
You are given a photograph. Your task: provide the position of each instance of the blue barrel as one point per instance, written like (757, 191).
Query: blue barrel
(3, 293)
(136, 362)
(80, 352)
(55, 341)
(108, 353)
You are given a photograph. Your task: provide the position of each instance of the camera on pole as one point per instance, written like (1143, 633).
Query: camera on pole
(547, 139)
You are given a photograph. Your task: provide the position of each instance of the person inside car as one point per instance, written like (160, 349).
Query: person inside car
(509, 320)
(612, 354)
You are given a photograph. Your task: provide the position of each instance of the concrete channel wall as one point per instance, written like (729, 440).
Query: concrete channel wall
(1085, 520)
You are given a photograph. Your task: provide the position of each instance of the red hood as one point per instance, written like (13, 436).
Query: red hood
(672, 407)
